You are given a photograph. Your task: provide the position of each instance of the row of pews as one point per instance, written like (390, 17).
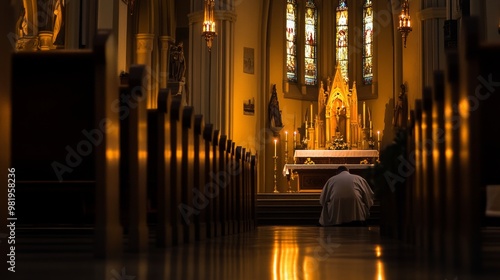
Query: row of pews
(88, 152)
(452, 158)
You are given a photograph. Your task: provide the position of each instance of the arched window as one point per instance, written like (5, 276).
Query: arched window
(367, 43)
(291, 40)
(311, 27)
(342, 54)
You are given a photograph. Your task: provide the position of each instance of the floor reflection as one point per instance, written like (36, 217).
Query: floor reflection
(271, 252)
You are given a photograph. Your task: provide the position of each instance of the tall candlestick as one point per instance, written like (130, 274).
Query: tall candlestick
(294, 139)
(364, 114)
(312, 120)
(294, 121)
(286, 141)
(275, 141)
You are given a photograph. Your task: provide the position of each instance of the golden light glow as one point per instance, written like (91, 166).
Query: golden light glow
(378, 251)
(286, 256)
(209, 23)
(380, 270)
(404, 21)
(112, 154)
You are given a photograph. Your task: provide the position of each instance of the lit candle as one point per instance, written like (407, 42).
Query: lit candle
(275, 141)
(364, 114)
(286, 141)
(378, 135)
(294, 138)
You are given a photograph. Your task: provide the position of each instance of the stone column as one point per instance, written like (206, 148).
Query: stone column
(144, 43)
(165, 43)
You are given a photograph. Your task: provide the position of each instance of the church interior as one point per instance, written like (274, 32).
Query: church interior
(173, 139)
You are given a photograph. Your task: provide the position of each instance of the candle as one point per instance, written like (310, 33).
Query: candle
(275, 141)
(364, 114)
(371, 125)
(378, 135)
(294, 138)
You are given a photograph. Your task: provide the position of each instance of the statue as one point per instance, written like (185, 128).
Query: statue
(401, 110)
(274, 112)
(177, 62)
(58, 21)
(22, 23)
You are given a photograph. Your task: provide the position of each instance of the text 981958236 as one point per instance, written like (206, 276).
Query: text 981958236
(11, 219)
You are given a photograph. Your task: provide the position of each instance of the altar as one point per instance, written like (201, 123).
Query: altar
(314, 167)
(336, 135)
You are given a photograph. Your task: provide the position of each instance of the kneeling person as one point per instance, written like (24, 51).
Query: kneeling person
(346, 198)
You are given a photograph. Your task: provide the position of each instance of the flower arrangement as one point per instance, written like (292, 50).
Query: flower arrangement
(338, 143)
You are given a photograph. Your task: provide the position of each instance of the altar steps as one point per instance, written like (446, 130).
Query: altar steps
(296, 209)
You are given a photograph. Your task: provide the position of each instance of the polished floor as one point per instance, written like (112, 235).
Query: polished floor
(268, 252)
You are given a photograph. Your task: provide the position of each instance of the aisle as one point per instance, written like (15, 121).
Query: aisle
(269, 252)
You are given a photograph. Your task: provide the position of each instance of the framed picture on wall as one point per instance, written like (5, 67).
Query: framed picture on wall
(248, 60)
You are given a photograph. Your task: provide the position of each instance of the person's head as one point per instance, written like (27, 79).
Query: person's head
(342, 168)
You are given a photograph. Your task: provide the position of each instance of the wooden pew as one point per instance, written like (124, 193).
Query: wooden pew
(133, 157)
(214, 189)
(452, 145)
(244, 190)
(221, 185)
(228, 190)
(208, 137)
(158, 185)
(239, 189)
(253, 191)
(65, 139)
(186, 184)
(200, 200)
(427, 168)
(439, 167)
(418, 191)
(174, 164)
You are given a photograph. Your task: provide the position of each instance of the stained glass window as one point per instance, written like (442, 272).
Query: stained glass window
(342, 54)
(291, 40)
(311, 19)
(367, 42)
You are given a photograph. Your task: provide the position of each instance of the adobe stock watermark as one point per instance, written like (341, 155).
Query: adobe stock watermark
(94, 137)
(406, 168)
(212, 189)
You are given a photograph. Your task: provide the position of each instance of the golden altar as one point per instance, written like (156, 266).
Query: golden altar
(315, 167)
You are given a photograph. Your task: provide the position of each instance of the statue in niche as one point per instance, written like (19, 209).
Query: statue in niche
(401, 109)
(22, 23)
(177, 65)
(58, 23)
(274, 112)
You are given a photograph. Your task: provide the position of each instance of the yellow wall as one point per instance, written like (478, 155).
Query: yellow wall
(247, 86)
